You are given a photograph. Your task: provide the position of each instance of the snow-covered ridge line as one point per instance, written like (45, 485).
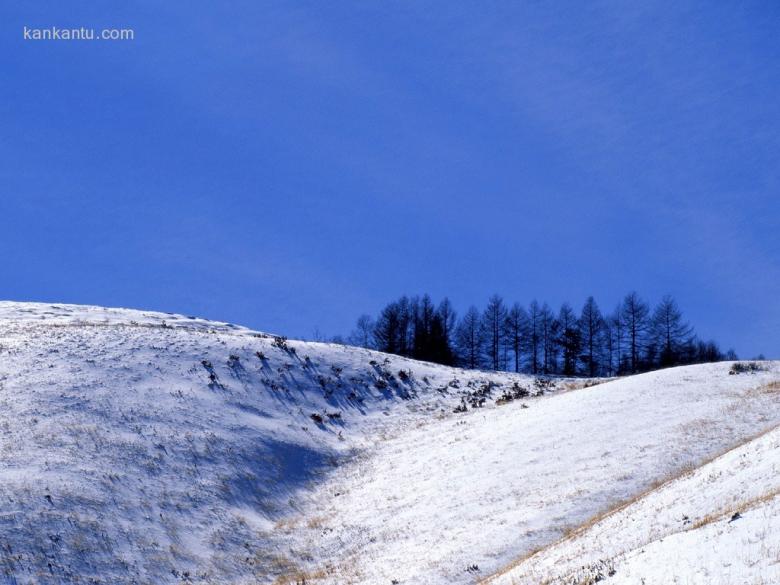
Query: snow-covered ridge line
(53, 314)
(32, 314)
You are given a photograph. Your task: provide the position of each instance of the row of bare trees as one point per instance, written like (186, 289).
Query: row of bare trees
(632, 338)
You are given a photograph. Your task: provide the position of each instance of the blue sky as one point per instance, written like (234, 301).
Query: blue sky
(290, 165)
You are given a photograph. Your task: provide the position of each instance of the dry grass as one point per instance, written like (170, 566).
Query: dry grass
(298, 577)
(287, 524)
(344, 573)
(772, 387)
(741, 508)
(585, 383)
(316, 522)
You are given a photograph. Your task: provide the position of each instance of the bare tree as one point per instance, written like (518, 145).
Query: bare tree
(568, 339)
(448, 317)
(391, 328)
(670, 332)
(549, 333)
(423, 313)
(634, 314)
(591, 329)
(516, 329)
(493, 324)
(363, 333)
(534, 338)
(609, 338)
(469, 341)
(619, 335)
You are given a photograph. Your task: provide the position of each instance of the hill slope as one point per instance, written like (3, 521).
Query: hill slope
(155, 448)
(142, 447)
(455, 501)
(717, 524)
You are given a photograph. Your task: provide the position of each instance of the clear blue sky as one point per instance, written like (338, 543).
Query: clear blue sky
(289, 165)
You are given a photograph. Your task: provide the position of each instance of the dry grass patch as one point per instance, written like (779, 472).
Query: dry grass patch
(344, 573)
(741, 508)
(772, 387)
(585, 383)
(287, 524)
(316, 522)
(299, 577)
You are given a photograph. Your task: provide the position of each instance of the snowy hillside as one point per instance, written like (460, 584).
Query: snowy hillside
(155, 448)
(142, 447)
(718, 524)
(457, 501)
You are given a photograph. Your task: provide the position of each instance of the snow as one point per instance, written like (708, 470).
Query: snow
(488, 487)
(682, 532)
(156, 448)
(139, 447)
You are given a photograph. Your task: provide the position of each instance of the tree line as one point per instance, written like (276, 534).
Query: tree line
(632, 338)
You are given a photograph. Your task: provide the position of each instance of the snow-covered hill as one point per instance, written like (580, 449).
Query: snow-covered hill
(718, 524)
(156, 448)
(141, 447)
(462, 499)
